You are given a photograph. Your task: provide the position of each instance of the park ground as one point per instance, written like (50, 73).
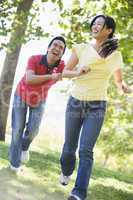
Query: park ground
(39, 178)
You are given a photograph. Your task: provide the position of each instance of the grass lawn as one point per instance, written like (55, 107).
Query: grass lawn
(38, 179)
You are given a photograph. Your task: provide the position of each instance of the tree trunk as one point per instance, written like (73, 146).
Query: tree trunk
(106, 159)
(7, 76)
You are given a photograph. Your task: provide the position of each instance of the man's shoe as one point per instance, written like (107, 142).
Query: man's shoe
(73, 197)
(64, 180)
(15, 169)
(25, 156)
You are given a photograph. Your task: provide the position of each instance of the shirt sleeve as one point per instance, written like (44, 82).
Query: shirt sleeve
(118, 61)
(61, 66)
(78, 48)
(31, 63)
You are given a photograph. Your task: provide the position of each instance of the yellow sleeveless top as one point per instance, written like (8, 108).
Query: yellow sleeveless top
(93, 85)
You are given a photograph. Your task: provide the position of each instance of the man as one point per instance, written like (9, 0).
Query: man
(30, 97)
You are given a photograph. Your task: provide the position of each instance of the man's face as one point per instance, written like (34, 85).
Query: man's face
(56, 49)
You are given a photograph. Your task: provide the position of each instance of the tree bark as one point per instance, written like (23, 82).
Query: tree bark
(7, 76)
(106, 159)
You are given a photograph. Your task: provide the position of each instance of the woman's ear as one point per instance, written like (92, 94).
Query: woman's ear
(110, 31)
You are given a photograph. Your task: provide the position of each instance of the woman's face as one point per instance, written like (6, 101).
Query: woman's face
(99, 29)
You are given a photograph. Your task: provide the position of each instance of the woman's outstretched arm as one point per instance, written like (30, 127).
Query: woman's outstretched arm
(120, 83)
(70, 71)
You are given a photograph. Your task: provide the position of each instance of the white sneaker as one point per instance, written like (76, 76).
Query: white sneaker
(15, 169)
(73, 197)
(64, 180)
(25, 156)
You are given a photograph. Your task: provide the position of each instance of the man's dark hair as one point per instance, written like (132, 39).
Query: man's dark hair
(58, 38)
(111, 44)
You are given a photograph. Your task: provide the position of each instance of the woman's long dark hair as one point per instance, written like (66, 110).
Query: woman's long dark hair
(111, 44)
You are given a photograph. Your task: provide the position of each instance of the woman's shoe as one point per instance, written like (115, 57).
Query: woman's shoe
(64, 180)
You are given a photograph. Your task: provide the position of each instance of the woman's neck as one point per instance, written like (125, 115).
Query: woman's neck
(98, 42)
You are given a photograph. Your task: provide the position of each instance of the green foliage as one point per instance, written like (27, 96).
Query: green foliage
(6, 11)
(59, 3)
(122, 12)
(73, 25)
(76, 20)
(117, 136)
(13, 16)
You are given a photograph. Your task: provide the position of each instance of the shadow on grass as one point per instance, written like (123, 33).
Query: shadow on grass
(40, 162)
(46, 167)
(15, 187)
(100, 192)
(43, 162)
(49, 160)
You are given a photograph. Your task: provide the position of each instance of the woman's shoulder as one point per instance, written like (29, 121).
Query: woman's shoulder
(117, 52)
(78, 48)
(79, 45)
(115, 55)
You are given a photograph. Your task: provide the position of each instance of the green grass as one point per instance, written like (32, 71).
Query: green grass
(39, 179)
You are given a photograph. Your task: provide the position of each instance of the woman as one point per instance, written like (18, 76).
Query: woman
(90, 66)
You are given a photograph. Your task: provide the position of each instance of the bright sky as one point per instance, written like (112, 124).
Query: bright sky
(39, 46)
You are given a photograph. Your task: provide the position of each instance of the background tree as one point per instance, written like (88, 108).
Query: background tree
(17, 36)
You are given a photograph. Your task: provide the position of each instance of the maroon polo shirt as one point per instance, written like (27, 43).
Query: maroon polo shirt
(34, 94)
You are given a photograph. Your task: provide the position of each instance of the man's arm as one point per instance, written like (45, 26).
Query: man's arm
(33, 79)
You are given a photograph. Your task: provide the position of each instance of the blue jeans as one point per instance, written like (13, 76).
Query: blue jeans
(25, 126)
(84, 119)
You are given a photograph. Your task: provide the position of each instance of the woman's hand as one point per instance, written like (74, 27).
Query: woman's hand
(83, 70)
(74, 72)
(122, 86)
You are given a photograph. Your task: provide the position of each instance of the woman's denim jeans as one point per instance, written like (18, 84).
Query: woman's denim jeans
(25, 126)
(84, 119)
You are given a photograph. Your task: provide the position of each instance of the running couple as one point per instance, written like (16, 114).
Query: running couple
(90, 66)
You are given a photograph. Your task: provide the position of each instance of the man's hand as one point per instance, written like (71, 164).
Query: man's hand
(56, 76)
